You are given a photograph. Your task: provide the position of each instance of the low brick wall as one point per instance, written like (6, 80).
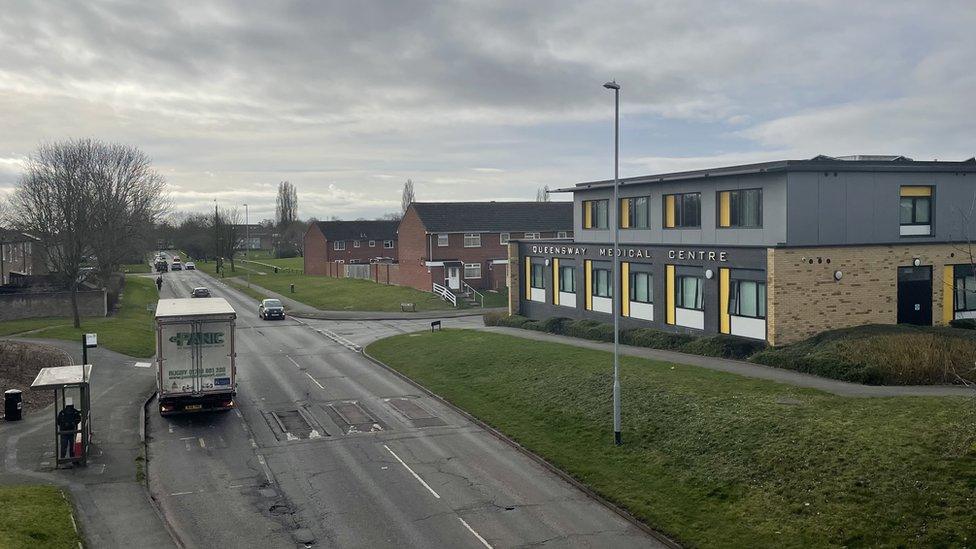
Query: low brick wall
(37, 305)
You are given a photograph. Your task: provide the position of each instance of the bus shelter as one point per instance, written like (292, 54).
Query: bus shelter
(72, 410)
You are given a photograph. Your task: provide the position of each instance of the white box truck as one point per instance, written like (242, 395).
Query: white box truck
(195, 367)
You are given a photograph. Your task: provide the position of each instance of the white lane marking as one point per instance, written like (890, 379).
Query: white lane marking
(181, 493)
(297, 365)
(415, 475)
(202, 443)
(315, 381)
(143, 365)
(170, 427)
(476, 534)
(267, 470)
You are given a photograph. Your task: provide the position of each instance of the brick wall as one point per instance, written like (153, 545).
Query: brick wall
(316, 252)
(412, 249)
(36, 305)
(804, 299)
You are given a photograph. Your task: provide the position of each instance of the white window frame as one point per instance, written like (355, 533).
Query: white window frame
(472, 266)
(532, 236)
(372, 243)
(472, 236)
(503, 238)
(443, 240)
(388, 244)
(355, 243)
(339, 245)
(562, 234)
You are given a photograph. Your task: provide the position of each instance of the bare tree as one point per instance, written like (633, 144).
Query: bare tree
(390, 216)
(53, 202)
(542, 194)
(229, 234)
(128, 198)
(407, 198)
(286, 211)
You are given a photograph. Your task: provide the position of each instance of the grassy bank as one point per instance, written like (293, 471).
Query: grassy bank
(35, 516)
(716, 459)
(129, 331)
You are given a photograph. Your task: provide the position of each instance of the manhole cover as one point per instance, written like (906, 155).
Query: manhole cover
(417, 415)
(295, 425)
(355, 416)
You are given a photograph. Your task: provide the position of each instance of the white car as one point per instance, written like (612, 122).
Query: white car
(190, 266)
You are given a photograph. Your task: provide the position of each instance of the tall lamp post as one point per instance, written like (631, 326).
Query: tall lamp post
(247, 232)
(615, 271)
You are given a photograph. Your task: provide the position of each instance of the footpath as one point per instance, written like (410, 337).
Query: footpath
(302, 310)
(111, 502)
(747, 369)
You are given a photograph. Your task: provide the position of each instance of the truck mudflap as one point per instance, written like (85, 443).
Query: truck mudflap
(192, 404)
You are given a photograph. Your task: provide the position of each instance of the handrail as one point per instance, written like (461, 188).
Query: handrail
(445, 294)
(475, 292)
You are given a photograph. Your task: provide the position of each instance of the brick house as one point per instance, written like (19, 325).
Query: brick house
(348, 242)
(452, 243)
(21, 256)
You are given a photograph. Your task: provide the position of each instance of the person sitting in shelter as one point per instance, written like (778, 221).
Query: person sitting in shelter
(68, 420)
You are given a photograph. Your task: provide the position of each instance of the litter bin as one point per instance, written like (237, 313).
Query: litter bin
(292, 288)
(13, 403)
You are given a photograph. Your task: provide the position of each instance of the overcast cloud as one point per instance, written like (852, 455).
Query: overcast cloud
(477, 100)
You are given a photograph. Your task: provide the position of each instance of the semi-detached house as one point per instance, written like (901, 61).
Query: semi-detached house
(777, 250)
(454, 244)
(348, 242)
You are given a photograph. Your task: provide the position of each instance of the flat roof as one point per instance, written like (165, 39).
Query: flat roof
(59, 376)
(861, 163)
(193, 306)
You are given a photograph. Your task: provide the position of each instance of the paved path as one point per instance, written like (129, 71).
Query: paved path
(111, 504)
(748, 369)
(302, 310)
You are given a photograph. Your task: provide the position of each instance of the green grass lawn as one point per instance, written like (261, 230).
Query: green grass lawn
(134, 268)
(129, 331)
(35, 516)
(715, 459)
(297, 263)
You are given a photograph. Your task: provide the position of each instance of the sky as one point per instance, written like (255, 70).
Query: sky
(477, 100)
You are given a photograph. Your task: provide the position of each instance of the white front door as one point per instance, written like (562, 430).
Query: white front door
(454, 278)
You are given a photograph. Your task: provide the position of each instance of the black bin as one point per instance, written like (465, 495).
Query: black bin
(13, 404)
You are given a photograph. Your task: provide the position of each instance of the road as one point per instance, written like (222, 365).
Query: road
(327, 449)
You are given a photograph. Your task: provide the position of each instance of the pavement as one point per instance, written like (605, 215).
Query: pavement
(302, 310)
(326, 448)
(111, 504)
(747, 369)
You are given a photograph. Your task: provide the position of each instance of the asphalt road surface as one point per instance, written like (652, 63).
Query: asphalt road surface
(327, 449)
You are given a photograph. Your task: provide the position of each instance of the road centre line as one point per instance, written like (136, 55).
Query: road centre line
(476, 534)
(267, 470)
(315, 381)
(415, 475)
(297, 365)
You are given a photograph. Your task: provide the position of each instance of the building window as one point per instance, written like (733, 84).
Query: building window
(635, 213)
(532, 236)
(388, 244)
(740, 209)
(916, 211)
(355, 243)
(747, 298)
(682, 211)
(538, 275)
(442, 240)
(472, 270)
(503, 238)
(688, 293)
(562, 234)
(642, 287)
(595, 215)
(965, 288)
(472, 240)
(601, 283)
(372, 243)
(339, 245)
(567, 280)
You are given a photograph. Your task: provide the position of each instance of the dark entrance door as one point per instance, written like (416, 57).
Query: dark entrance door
(915, 295)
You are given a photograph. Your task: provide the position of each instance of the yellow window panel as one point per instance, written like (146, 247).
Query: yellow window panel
(555, 281)
(725, 209)
(916, 191)
(625, 213)
(669, 211)
(669, 290)
(625, 289)
(725, 320)
(588, 281)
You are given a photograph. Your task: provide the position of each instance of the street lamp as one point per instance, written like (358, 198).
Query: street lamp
(615, 271)
(247, 232)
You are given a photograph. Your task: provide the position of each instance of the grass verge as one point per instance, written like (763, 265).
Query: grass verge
(36, 516)
(129, 331)
(715, 459)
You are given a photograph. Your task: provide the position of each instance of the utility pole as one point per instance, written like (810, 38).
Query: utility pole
(615, 272)
(216, 237)
(247, 232)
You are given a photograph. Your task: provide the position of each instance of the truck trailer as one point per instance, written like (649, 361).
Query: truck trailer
(195, 356)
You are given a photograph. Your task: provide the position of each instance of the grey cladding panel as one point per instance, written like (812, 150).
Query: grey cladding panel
(860, 220)
(803, 203)
(832, 206)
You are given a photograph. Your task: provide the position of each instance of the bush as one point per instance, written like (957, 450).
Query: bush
(502, 319)
(964, 323)
(655, 339)
(589, 329)
(724, 346)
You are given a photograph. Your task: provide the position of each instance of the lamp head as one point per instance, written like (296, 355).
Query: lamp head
(612, 85)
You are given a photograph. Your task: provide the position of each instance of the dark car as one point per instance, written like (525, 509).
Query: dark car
(271, 308)
(200, 292)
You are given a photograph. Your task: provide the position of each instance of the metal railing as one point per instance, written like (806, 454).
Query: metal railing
(446, 295)
(468, 288)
